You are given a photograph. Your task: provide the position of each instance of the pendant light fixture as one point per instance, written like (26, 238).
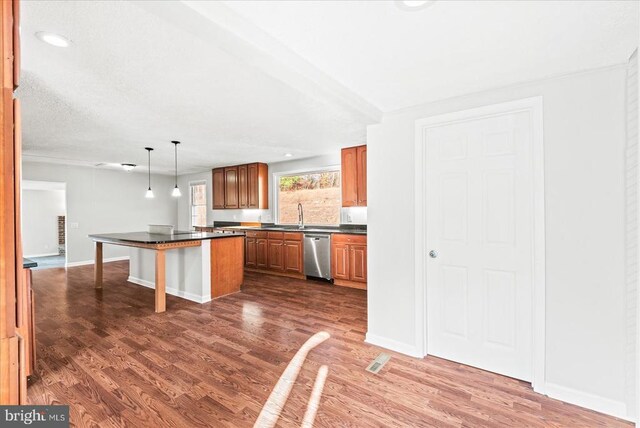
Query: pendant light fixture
(176, 192)
(149, 193)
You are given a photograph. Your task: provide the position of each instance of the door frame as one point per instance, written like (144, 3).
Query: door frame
(534, 106)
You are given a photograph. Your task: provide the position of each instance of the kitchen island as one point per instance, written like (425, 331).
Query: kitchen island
(199, 267)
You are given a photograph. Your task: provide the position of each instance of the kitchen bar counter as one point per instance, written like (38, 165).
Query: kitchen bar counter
(28, 264)
(347, 230)
(156, 238)
(193, 265)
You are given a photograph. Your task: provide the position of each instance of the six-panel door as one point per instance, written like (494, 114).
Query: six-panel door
(479, 227)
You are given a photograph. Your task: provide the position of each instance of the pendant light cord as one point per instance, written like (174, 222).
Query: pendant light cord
(149, 153)
(176, 159)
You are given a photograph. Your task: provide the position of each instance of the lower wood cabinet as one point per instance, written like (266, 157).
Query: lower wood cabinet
(275, 252)
(276, 255)
(349, 260)
(250, 252)
(261, 253)
(293, 256)
(340, 261)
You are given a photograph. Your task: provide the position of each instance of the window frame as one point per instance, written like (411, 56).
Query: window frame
(301, 171)
(206, 201)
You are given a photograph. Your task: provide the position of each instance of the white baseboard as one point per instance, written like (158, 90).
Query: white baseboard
(170, 290)
(40, 255)
(393, 345)
(90, 262)
(589, 401)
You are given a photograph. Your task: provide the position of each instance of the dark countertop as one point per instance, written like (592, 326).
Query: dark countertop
(342, 229)
(158, 238)
(28, 263)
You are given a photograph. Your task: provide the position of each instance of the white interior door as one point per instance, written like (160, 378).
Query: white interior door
(479, 222)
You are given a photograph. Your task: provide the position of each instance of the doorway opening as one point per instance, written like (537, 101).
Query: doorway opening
(44, 223)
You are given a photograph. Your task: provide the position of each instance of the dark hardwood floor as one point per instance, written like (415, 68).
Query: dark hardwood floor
(119, 364)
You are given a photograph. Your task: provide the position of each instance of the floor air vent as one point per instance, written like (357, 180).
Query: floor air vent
(377, 364)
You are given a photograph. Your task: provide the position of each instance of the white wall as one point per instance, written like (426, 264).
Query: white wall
(584, 138)
(358, 215)
(40, 211)
(103, 201)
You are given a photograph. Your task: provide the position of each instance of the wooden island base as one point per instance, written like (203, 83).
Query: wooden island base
(220, 264)
(227, 269)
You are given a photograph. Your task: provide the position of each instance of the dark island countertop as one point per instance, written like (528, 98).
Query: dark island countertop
(28, 263)
(158, 238)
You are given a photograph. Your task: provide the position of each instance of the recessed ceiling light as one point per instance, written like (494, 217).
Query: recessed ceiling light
(128, 166)
(53, 39)
(288, 155)
(412, 5)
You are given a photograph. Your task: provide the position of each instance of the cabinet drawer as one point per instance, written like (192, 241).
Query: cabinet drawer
(292, 236)
(275, 235)
(255, 234)
(349, 239)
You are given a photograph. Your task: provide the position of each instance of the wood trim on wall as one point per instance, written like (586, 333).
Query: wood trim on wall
(12, 388)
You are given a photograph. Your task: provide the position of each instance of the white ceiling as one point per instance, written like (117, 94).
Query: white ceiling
(143, 74)
(249, 81)
(395, 58)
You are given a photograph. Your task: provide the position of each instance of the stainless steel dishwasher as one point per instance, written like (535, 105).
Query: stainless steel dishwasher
(317, 257)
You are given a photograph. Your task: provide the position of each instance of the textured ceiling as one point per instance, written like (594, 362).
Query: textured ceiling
(249, 81)
(134, 78)
(395, 58)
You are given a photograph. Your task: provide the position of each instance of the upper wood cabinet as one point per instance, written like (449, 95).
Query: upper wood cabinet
(241, 186)
(231, 187)
(218, 188)
(243, 195)
(258, 186)
(354, 176)
(361, 159)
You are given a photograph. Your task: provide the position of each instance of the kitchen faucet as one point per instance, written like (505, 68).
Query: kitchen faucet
(300, 217)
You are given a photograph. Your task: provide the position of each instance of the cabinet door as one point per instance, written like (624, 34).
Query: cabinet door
(262, 253)
(250, 253)
(218, 188)
(358, 263)
(231, 187)
(340, 261)
(361, 157)
(276, 255)
(293, 256)
(243, 190)
(253, 196)
(349, 176)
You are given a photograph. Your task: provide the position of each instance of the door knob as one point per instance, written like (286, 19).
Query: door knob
(433, 254)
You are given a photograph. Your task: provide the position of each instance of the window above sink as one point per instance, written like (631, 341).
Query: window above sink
(317, 190)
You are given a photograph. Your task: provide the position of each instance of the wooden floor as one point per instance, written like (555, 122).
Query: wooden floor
(119, 364)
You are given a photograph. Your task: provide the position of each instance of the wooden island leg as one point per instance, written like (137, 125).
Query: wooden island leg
(98, 266)
(161, 302)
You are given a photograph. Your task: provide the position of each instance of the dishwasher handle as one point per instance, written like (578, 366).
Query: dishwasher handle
(316, 237)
